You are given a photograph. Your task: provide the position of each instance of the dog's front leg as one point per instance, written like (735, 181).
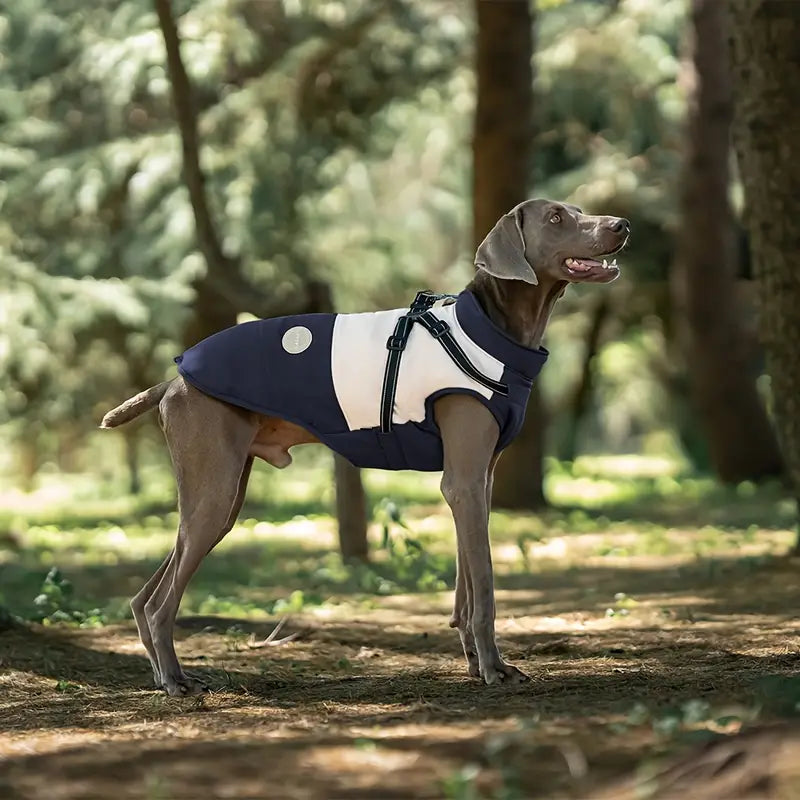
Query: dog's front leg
(463, 605)
(469, 437)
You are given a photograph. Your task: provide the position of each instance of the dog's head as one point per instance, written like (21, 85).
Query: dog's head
(553, 240)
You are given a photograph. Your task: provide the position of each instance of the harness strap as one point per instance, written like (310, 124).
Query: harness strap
(455, 351)
(440, 330)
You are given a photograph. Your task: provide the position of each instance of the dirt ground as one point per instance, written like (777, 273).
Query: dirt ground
(378, 704)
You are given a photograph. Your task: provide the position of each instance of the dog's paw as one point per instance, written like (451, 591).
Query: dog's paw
(473, 666)
(470, 652)
(184, 686)
(500, 672)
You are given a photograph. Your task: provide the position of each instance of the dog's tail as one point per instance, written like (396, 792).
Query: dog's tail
(134, 406)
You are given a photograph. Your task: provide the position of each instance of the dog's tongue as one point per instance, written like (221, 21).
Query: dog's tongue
(582, 263)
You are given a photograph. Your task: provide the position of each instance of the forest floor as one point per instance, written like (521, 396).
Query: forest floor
(660, 634)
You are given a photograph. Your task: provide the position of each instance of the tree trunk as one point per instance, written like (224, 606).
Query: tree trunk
(501, 151)
(68, 448)
(213, 310)
(28, 460)
(765, 47)
(351, 510)
(522, 465)
(132, 436)
(351, 500)
(740, 440)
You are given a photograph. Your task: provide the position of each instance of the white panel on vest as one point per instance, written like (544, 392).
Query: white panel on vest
(358, 362)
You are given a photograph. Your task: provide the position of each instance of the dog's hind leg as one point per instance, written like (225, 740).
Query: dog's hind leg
(237, 503)
(137, 606)
(140, 600)
(209, 443)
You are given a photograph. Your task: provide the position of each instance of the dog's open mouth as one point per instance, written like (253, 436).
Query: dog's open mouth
(583, 268)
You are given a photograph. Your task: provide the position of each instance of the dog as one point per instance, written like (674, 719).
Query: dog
(441, 385)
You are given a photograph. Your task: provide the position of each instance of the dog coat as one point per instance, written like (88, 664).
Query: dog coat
(326, 373)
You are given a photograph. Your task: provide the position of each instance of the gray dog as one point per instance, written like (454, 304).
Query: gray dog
(441, 385)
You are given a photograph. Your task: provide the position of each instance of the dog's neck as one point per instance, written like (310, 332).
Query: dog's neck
(520, 309)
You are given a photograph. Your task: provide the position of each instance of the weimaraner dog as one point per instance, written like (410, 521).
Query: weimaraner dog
(487, 342)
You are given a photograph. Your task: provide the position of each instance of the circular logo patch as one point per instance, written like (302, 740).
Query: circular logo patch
(296, 339)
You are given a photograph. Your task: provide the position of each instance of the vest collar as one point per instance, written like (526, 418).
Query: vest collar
(490, 337)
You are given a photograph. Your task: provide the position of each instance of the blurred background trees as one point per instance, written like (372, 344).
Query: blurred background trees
(334, 145)
(766, 65)
(715, 323)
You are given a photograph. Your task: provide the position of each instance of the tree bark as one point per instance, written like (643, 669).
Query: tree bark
(521, 466)
(351, 499)
(765, 48)
(132, 437)
(29, 461)
(213, 309)
(351, 510)
(739, 437)
(501, 151)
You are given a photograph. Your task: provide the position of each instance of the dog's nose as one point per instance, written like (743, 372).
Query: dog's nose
(620, 225)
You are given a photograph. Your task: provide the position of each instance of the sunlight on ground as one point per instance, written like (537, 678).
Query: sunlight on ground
(630, 465)
(648, 608)
(615, 511)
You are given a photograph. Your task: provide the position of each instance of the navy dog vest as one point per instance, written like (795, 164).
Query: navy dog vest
(325, 372)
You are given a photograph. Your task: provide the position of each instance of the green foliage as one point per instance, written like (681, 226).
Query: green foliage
(55, 595)
(525, 539)
(623, 605)
(693, 721)
(610, 107)
(97, 236)
(498, 776)
(7, 619)
(461, 785)
(66, 686)
(411, 563)
(334, 142)
(779, 695)
(56, 603)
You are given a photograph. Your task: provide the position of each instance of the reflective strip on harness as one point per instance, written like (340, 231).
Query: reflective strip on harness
(440, 330)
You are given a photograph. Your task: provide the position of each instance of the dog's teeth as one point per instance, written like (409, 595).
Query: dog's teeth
(605, 264)
(614, 263)
(570, 262)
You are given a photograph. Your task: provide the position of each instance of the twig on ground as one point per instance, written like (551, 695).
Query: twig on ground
(272, 641)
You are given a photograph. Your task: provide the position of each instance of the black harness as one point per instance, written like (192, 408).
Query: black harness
(440, 330)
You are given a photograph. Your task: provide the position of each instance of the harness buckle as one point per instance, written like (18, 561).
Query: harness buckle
(439, 329)
(422, 302)
(396, 343)
(425, 297)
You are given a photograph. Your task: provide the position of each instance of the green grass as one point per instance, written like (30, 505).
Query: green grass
(282, 554)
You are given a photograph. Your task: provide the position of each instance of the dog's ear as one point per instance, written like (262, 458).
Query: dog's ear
(502, 252)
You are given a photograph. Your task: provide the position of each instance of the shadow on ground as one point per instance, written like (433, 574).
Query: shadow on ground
(375, 701)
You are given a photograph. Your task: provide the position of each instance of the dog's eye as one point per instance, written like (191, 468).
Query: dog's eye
(555, 218)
